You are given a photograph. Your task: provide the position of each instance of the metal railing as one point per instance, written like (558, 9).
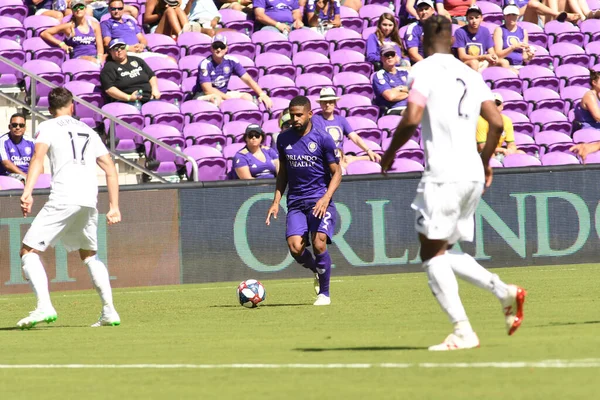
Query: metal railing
(113, 121)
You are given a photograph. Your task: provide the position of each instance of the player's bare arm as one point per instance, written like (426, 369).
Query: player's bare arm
(280, 186)
(410, 121)
(490, 113)
(320, 207)
(36, 167)
(583, 149)
(112, 183)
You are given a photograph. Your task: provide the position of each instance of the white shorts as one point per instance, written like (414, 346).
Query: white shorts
(444, 211)
(75, 226)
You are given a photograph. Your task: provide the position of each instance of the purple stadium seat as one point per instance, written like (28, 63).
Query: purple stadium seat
(568, 53)
(543, 98)
(520, 160)
(361, 123)
(591, 29)
(81, 70)
(502, 78)
(411, 150)
(491, 26)
(593, 50)
(535, 33)
(363, 167)
(8, 183)
(527, 144)
(92, 94)
(229, 15)
(308, 40)
(312, 83)
(44, 181)
(559, 32)
(513, 101)
(35, 24)
(11, 50)
(170, 91)
(371, 12)
(536, 76)
(389, 123)
(491, 12)
(547, 138)
(520, 122)
(234, 131)
(165, 68)
(586, 135)
(11, 28)
(189, 65)
(542, 57)
(406, 165)
(572, 96)
(238, 43)
(279, 86)
(345, 39)
(202, 111)
(276, 64)
(248, 65)
(495, 163)
(163, 44)
(126, 140)
(241, 110)
(203, 133)
(350, 19)
(37, 49)
(593, 158)
(194, 43)
(160, 112)
(310, 61)
(272, 42)
(558, 158)
(550, 120)
(353, 83)
(158, 159)
(13, 9)
(521, 138)
(350, 61)
(48, 71)
(368, 31)
(572, 75)
(236, 83)
(212, 166)
(271, 126)
(355, 105)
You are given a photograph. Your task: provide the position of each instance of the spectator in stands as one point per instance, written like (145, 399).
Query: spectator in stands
(408, 12)
(541, 11)
(337, 126)
(238, 5)
(99, 8)
(507, 137)
(203, 17)
(285, 120)
(82, 35)
(278, 15)
(256, 161)
(126, 78)
(474, 43)
(390, 83)
(215, 71)
(587, 112)
(323, 15)
(47, 8)
(510, 40)
(166, 17)
(414, 33)
(15, 150)
(387, 32)
(455, 10)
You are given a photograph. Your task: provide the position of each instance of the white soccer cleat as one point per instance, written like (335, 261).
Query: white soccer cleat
(111, 319)
(456, 342)
(512, 307)
(322, 300)
(317, 284)
(38, 315)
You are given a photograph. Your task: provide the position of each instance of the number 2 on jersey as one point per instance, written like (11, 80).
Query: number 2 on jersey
(86, 136)
(462, 98)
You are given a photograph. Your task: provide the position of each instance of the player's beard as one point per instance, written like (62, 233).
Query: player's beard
(301, 128)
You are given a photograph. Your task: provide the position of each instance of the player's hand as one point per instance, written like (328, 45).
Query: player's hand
(582, 150)
(320, 208)
(488, 176)
(386, 162)
(273, 211)
(113, 216)
(26, 204)
(373, 156)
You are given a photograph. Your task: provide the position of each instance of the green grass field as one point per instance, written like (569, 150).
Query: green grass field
(373, 320)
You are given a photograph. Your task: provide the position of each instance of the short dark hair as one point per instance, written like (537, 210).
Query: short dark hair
(59, 97)
(435, 25)
(17, 115)
(594, 75)
(300, 101)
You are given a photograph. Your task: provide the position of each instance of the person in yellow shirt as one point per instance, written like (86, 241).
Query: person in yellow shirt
(508, 134)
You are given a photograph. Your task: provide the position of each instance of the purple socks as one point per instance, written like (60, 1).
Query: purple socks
(306, 260)
(323, 266)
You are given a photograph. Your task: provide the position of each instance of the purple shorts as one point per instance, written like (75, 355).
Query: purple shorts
(301, 221)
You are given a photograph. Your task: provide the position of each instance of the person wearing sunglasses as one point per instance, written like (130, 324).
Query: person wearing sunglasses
(390, 83)
(255, 161)
(387, 32)
(127, 78)
(82, 35)
(215, 71)
(15, 150)
(166, 17)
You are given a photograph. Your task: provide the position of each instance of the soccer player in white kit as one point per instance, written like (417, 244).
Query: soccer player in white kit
(70, 214)
(447, 97)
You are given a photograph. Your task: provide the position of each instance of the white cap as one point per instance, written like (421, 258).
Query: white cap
(511, 9)
(327, 94)
(428, 2)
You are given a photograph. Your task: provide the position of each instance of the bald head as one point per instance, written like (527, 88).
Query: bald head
(437, 35)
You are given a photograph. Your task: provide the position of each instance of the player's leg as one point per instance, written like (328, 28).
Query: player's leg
(322, 230)
(297, 239)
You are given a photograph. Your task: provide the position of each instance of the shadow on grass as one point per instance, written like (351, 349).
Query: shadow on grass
(361, 348)
(567, 324)
(263, 305)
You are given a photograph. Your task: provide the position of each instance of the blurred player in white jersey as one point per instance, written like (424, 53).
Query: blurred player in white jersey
(448, 97)
(70, 214)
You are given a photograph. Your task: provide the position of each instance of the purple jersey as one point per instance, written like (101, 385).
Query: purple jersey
(307, 159)
(310, 8)
(19, 154)
(383, 81)
(518, 3)
(337, 128)
(474, 44)
(83, 44)
(374, 47)
(509, 38)
(279, 10)
(414, 37)
(258, 169)
(218, 74)
(584, 117)
(126, 30)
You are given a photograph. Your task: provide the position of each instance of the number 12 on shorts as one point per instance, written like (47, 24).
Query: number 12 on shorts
(81, 154)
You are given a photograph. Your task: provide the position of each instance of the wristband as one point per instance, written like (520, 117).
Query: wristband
(61, 44)
(277, 25)
(263, 94)
(239, 1)
(128, 97)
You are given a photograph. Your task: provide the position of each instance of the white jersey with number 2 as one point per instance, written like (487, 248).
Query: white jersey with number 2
(72, 149)
(452, 94)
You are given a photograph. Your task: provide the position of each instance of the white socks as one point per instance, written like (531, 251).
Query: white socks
(444, 286)
(101, 281)
(466, 268)
(36, 274)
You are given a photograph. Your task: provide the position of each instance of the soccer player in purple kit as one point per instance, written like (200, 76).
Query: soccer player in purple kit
(308, 162)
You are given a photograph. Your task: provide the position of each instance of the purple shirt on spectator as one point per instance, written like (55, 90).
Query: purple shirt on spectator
(373, 48)
(126, 30)
(337, 128)
(383, 81)
(414, 37)
(19, 154)
(518, 3)
(310, 8)
(474, 44)
(83, 44)
(218, 74)
(509, 38)
(258, 169)
(278, 10)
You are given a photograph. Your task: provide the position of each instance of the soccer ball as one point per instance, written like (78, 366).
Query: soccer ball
(251, 293)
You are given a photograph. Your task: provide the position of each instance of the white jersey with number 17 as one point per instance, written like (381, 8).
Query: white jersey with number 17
(452, 94)
(72, 149)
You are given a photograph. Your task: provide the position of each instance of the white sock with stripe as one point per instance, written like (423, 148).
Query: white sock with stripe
(36, 274)
(467, 269)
